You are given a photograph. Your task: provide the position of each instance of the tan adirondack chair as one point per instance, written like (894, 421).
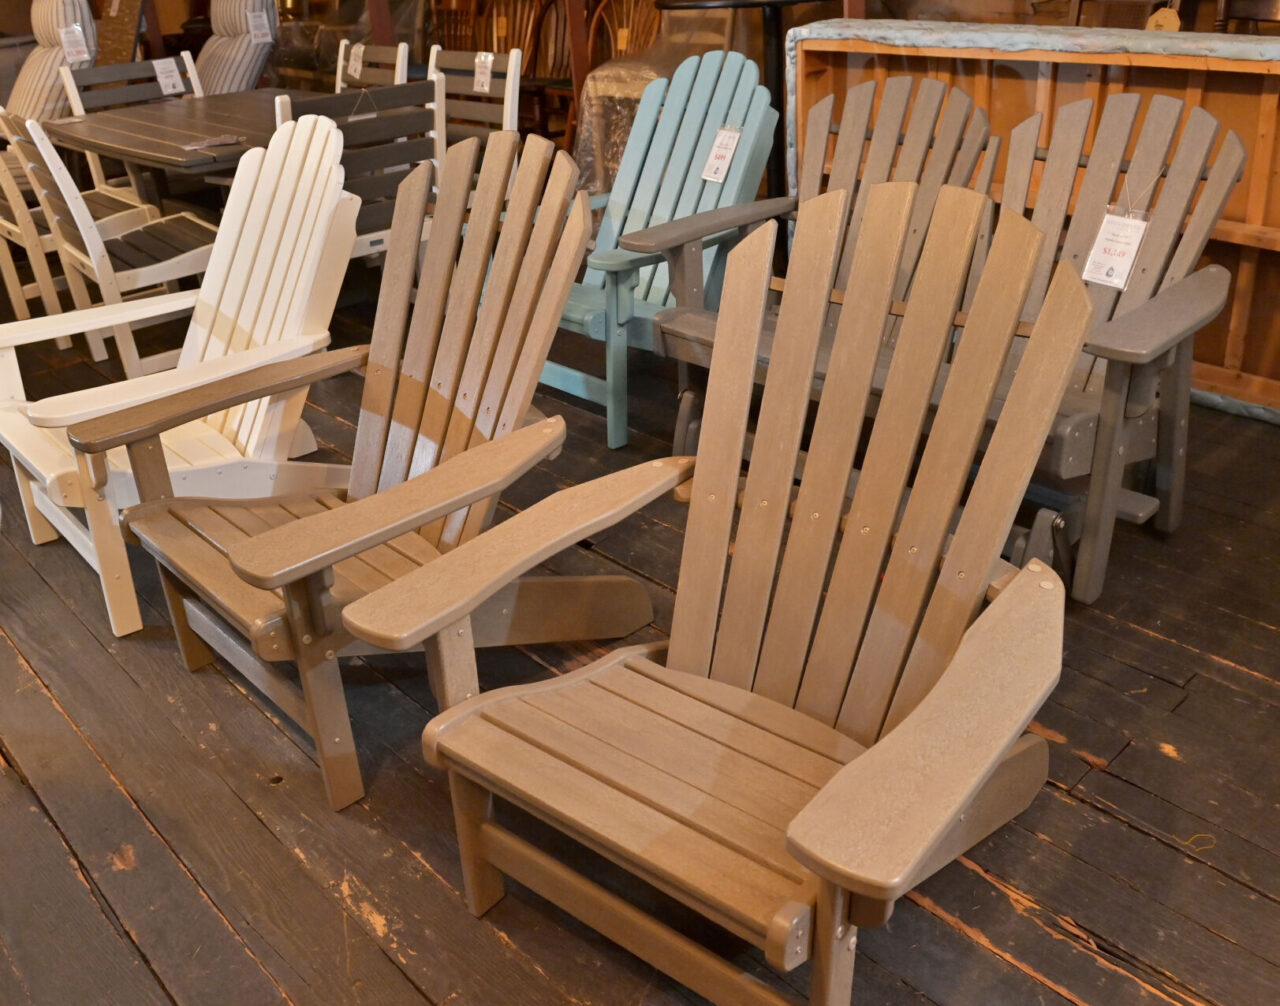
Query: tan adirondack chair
(852, 723)
(912, 139)
(450, 378)
(1129, 401)
(268, 293)
(155, 254)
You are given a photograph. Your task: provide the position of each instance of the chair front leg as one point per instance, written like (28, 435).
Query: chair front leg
(619, 305)
(835, 945)
(472, 807)
(1105, 480)
(108, 546)
(1171, 443)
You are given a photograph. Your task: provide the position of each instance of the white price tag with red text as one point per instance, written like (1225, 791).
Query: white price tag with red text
(721, 156)
(484, 73)
(1115, 250)
(168, 77)
(74, 46)
(355, 63)
(259, 27)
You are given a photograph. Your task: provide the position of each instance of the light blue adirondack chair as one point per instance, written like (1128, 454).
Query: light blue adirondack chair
(660, 179)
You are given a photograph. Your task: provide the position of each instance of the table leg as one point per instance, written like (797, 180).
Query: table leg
(773, 58)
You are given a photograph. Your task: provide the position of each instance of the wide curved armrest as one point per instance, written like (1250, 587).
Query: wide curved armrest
(293, 551)
(872, 827)
(89, 403)
(619, 260)
(126, 426)
(89, 319)
(702, 226)
(420, 604)
(1175, 313)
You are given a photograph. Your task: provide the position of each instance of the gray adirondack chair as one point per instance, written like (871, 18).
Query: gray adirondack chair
(451, 371)
(836, 717)
(912, 139)
(660, 179)
(1124, 418)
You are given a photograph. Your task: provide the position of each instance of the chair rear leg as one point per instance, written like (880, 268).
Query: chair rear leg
(330, 727)
(472, 807)
(81, 299)
(12, 282)
(1104, 487)
(1171, 445)
(37, 523)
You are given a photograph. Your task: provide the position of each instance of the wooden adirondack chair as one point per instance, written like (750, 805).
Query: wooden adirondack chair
(269, 290)
(912, 139)
(385, 132)
(660, 179)
(803, 754)
(94, 88)
(378, 66)
(447, 391)
(154, 254)
(471, 111)
(1129, 400)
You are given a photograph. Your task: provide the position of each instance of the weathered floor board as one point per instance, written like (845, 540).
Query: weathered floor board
(172, 827)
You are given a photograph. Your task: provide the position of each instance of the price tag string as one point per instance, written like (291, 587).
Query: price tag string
(1124, 191)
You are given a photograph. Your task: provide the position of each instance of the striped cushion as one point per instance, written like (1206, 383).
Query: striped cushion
(37, 93)
(229, 61)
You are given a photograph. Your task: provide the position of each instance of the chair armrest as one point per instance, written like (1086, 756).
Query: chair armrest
(702, 226)
(619, 260)
(126, 426)
(404, 613)
(1175, 313)
(294, 551)
(872, 827)
(89, 403)
(89, 319)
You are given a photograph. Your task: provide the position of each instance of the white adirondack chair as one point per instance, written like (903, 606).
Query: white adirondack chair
(157, 253)
(25, 227)
(267, 294)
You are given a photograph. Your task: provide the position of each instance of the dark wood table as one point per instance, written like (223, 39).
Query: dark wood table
(163, 136)
(774, 57)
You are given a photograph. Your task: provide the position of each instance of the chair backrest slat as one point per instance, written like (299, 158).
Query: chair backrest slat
(428, 313)
(783, 410)
(872, 517)
(715, 481)
(817, 137)
(1008, 461)
(957, 426)
(836, 434)
(470, 277)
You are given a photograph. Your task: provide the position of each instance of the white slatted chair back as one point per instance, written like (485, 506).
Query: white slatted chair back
(378, 65)
(231, 60)
(850, 613)
(116, 85)
(38, 93)
(473, 112)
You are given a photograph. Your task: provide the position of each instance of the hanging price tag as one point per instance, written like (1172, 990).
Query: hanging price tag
(1115, 249)
(74, 46)
(721, 156)
(355, 64)
(115, 8)
(484, 73)
(259, 27)
(624, 37)
(501, 27)
(168, 77)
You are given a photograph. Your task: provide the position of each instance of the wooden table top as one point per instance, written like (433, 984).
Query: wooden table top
(157, 135)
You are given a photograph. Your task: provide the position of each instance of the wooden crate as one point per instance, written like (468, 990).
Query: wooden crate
(1012, 71)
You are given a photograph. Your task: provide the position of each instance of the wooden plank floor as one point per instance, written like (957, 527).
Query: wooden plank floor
(166, 838)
